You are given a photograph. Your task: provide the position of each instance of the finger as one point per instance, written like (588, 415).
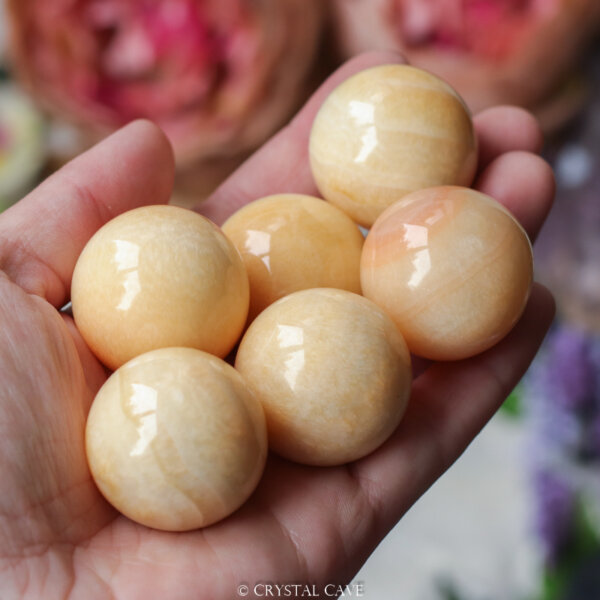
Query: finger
(522, 182)
(43, 234)
(282, 166)
(503, 129)
(450, 404)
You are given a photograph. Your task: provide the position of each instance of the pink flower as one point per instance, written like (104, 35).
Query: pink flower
(218, 76)
(492, 51)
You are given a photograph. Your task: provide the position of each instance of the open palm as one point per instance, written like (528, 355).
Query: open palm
(58, 536)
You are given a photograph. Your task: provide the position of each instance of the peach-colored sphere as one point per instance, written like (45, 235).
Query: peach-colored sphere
(175, 440)
(292, 242)
(155, 277)
(452, 267)
(331, 372)
(385, 132)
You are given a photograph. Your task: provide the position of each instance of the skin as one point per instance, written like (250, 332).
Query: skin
(60, 539)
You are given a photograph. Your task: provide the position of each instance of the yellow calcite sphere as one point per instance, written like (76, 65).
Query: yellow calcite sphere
(292, 242)
(388, 131)
(155, 277)
(175, 440)
(331, 372)
(452, 267)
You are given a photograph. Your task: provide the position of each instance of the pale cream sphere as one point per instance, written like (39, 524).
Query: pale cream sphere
(175, 440)
(452, 267)
(292, 242)
(385, 132)
(332, 373)
(155, 277)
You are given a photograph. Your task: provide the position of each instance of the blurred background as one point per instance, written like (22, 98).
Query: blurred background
(518, 517)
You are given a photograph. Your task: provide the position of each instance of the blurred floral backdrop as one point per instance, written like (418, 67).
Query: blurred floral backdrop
(518, 517)
(219, 77)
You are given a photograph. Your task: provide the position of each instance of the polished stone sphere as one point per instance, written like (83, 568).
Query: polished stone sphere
(453, 269)
(332, 373)
(388, 131)
(175, 440)
(155, 277)
(292, 242)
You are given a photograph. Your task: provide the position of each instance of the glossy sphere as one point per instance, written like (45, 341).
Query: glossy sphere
(332, 373)
(155, 277)
(175, 440)
(292, 242)
(387, 131)
(452, 267)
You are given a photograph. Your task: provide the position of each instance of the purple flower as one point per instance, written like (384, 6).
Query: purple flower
(554, 426)
(555, 515)
(562, 397)
(562, 403)
(570, 369)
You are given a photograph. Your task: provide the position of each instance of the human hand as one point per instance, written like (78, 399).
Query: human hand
(58, 536)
